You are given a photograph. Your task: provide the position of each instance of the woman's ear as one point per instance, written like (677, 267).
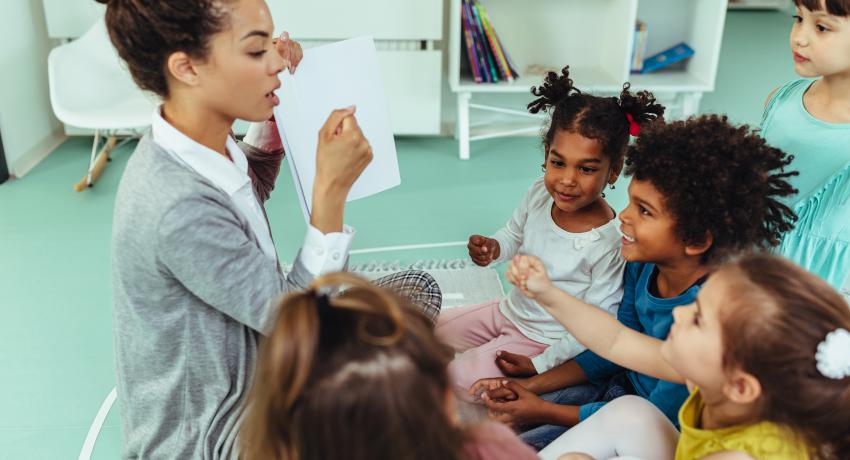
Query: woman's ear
(182, 69)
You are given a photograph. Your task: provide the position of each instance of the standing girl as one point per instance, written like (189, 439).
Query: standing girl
(810, 118)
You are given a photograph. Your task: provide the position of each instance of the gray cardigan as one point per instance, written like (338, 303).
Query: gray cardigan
(192, 290)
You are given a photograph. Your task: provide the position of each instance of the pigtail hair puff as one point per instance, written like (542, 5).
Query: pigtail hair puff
(555, 90)
(641, 106)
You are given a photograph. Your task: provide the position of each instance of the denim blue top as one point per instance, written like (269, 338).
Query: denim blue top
(650, 315)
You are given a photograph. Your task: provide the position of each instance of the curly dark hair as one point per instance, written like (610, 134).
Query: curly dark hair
(834, 7)
(717, 178)
(146, 32)
(604, 119)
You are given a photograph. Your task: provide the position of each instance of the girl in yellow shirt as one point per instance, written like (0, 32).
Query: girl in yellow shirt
(765, 349)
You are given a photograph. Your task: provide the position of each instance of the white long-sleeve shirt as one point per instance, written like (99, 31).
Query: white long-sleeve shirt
(320, 253)
(588, 265)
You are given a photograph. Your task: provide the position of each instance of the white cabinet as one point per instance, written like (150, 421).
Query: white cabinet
(405, 33)
(595, 38)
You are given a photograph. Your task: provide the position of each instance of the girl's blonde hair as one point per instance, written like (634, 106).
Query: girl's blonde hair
(772, 325)
(350, 371)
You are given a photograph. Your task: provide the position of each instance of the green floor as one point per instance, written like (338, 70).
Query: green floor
(56, 344)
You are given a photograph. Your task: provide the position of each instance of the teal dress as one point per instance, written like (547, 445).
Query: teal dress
(820, 241)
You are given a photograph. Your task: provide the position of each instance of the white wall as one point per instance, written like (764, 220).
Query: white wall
(30, 130)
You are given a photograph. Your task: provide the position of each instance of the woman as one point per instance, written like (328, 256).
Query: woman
(195, 271)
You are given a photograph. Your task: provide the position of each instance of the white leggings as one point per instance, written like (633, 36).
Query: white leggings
(629, 427)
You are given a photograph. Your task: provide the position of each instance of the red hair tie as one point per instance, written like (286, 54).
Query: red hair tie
(634, 127)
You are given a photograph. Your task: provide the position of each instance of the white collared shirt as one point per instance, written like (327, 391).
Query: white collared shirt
(321, 253)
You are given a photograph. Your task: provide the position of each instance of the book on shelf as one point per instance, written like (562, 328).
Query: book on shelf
(489, 62)
(485, 42)
(478, 49)
(639, 47)
(667, 57)
(498, 53)
(471, 53)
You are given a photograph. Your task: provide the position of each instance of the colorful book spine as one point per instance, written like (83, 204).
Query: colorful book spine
(492, 38)
(470, 45)
(483, 66)
(511, 65)
(485, 42)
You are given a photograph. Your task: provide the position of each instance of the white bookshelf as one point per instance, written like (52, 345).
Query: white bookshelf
(593, 37)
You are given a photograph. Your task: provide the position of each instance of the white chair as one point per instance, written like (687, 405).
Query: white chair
(90, 88)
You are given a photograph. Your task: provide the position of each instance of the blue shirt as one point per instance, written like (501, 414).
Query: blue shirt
(650, 315)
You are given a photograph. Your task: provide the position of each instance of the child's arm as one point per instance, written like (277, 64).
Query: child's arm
(595, 328)
(566, 375)
(509, 238)
(770, 96)
(605, 290)
(515, 405)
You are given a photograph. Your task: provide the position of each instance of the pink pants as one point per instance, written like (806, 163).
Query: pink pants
(479, 331)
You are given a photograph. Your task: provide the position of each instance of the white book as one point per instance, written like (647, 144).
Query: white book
(333, 77)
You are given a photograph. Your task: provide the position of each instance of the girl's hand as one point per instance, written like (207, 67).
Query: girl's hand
(482, 386)
(529, 275)
(514, 365)
(525, 408)
(483, 250)
(290, 51)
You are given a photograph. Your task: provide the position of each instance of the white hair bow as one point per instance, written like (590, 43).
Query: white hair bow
(833, 355)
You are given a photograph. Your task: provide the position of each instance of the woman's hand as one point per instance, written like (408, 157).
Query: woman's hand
(529, 275)
(289, 50)
(342, 155)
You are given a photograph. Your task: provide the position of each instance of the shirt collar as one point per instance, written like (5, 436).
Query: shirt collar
(227, 175)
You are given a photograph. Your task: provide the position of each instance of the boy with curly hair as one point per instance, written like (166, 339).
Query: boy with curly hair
(701, 190)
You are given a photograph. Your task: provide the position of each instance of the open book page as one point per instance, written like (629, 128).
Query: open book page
(332, 77)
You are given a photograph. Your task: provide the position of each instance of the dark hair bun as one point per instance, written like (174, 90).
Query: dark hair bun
(555, 90)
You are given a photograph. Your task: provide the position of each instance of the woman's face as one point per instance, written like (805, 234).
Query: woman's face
(239, 75)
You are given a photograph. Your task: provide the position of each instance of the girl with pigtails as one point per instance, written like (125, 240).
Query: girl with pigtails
(566, 222)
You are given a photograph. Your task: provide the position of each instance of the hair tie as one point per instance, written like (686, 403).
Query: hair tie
(634, 127)
(833, 355)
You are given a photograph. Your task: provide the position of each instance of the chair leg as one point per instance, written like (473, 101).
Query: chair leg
(97, 163)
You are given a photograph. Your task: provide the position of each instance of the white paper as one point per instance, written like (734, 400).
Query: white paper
(333, 77)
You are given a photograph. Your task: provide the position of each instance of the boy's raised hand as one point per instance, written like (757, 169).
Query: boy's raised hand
(483, 250)
(529, 275)
(515, 365)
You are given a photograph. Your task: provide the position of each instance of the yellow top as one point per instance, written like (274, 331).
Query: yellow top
(763, 441)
